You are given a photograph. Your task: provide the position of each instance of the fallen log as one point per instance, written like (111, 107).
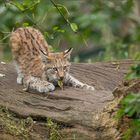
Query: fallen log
(75, 108)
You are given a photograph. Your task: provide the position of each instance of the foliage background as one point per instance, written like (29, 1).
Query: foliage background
(107, 29)
(98, 30)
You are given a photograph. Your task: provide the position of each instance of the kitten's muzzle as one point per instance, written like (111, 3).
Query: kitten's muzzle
(61, 78)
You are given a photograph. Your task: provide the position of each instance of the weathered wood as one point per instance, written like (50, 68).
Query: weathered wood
(73, 107)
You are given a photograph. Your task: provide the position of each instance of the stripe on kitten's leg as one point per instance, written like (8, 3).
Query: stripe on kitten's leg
(70, 80)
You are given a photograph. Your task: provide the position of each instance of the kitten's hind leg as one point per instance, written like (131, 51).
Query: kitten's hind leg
(36, 84)
(70, 80)
(20, 79)
(19, 73)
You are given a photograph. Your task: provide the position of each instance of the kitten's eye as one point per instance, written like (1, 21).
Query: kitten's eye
(65, 67)
(55, 69)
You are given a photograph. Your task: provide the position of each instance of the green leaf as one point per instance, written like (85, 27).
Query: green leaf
(46, 34)
(136, 124)
(50, 36)
(55, 28)
(74, 27)
(60, 30)
(26, 2)
(60, 84)
(63, 9)
(25, 24)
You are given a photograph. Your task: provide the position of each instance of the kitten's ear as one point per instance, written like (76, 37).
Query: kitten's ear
(44, 57)
(67, 53)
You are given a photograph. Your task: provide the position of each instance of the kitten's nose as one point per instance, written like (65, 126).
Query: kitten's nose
(61, 78)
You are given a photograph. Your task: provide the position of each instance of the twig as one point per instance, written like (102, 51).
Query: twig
(5, 37)
(9, 33)
(30, 6)
(4, 32)
(14, 5)
(4, 43)
(55, 5)
(22, 5)
(44, 17)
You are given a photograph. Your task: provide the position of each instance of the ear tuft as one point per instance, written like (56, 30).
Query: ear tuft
(44, 57)
(68, 52)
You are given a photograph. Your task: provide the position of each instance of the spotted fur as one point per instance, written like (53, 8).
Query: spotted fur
(37, 68)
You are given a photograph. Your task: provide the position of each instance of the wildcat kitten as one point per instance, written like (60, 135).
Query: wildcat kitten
(37, 68)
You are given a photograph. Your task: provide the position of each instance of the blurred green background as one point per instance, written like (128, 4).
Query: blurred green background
(98, 30)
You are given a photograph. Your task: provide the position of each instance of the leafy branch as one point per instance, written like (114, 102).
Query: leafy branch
(73, 26)
(22, 9)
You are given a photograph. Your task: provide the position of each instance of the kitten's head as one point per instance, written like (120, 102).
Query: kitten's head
(57, 65)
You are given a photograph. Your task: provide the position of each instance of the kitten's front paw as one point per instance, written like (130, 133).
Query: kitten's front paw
(51, 87)
(45, 88)
(88, 87)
